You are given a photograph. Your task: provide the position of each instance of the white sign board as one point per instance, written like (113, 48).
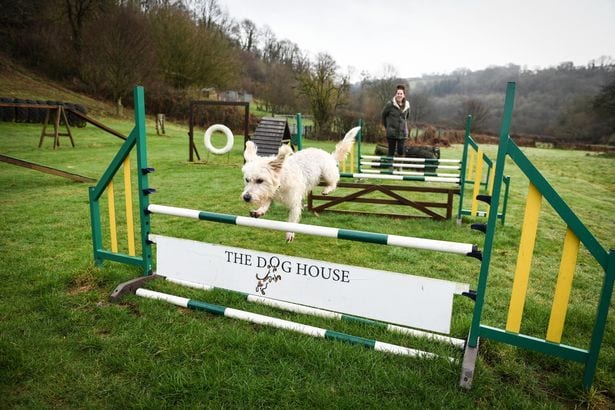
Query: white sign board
(391, 297)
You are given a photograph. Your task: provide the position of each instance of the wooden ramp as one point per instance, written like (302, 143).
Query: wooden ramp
(270, 134)
(46, 169)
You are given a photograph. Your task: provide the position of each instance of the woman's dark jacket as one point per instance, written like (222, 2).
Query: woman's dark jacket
(394, 119)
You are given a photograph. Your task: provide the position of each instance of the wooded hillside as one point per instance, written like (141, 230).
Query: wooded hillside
(179, 49)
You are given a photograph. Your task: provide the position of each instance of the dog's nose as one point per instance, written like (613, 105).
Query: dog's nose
(247, 197)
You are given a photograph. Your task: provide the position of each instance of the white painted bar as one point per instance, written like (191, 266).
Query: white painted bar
(400, 165)
(459, 343)
(175, 300)
(406, 351)
(420, 174)
(430, 244)
(287, 226)
(284, 324)
(441, 179)
(404, 241)
(312, 311)
(275, 322)
(174, 211)
(410, 159)
(293, 307)
(399, 177)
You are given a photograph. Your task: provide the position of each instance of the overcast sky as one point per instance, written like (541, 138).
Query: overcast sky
(438, 36)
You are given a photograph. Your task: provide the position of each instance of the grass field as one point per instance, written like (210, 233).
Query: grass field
(63, 344)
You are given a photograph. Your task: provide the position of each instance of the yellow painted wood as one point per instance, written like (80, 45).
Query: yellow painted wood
(478, 176)
(563, 287)
(524, 259)
(470, 168)
(491, 179)
(112, 226)
(129, 216)
(490, 187)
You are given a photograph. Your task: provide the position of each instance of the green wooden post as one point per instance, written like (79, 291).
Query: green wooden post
(359, 138)
(462, 171)
(142, 172)
(299, 132)
(603, 310)
(95, 223)
(492, 221)
(505, 200)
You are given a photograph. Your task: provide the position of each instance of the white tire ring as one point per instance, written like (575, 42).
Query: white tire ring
(230, 139)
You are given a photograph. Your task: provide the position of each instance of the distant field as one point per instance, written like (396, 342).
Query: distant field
(62, 344)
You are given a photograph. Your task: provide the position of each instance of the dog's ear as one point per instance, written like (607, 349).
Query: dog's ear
(283, 153)
(250, 153)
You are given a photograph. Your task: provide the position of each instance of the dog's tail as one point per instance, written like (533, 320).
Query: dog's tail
(344, 146)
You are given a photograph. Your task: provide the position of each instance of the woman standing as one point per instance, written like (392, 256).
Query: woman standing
(394, 118)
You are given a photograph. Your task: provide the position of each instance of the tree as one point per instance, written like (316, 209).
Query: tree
(383, 89)
(117, 54)
(271, 46)
(191, 55)
(279, 98)
(480, 114)
(325, 90)
(249, 35)
(420, 108)
(210, 14)
(604, 103)
(77, 13)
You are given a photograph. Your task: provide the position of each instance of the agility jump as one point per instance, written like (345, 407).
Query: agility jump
(276, 275)
(415, 305)
(474, 169)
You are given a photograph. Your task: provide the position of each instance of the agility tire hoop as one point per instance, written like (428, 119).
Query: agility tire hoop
(230, 139)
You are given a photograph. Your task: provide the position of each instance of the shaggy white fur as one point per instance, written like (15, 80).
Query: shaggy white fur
(288, 177)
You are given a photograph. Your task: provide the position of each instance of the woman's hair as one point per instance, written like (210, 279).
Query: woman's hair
(400, 87)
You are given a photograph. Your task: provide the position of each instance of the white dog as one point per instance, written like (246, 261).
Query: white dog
(288, 177)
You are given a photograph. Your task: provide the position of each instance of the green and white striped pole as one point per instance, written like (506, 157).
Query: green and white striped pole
(399, 176)
(411, 159)
(359, 236)
(327, 314)
(284, 324)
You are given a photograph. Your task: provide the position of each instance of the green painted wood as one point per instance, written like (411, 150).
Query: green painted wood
(96, 226)
(535, 344)
(115, 164)
(206, 307)
(216, 217)
(481, 290)
(355, 340)
(361, 236)
(142, 178)
(600, 324)
(462, 172)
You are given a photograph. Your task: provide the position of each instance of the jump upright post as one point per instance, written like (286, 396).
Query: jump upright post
(419, 306)
(576, 234)
(473, 173)
(136, 140)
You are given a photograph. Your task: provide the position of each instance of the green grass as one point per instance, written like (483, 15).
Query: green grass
(63, 344)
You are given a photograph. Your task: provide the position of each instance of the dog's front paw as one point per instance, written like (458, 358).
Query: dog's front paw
(290, 236)
(256, 214)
